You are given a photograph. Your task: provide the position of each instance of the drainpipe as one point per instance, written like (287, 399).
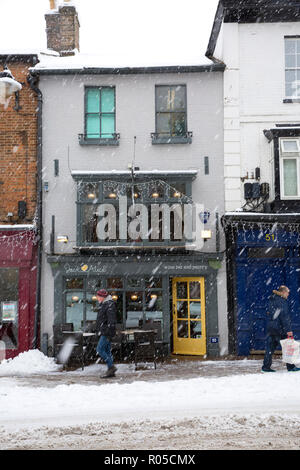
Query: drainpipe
(33, 82)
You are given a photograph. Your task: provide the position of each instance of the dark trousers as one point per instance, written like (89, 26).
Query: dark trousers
(272, 342)
(104, 350)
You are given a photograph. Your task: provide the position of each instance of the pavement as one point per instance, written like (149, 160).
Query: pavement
(172, 368)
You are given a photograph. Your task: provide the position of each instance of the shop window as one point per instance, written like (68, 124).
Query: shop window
(91, 309)
(117, 297)
(75, 309)
(74, 283)
(115, 283)
(9, 294)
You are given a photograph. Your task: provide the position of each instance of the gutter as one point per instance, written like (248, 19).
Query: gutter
(33, 82)
(215, 67)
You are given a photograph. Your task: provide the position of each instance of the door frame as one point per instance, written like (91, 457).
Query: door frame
(189, 346)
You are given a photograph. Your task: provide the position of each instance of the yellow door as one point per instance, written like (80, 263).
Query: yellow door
(189, 335)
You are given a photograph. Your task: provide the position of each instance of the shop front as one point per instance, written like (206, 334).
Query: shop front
(179, 293)
(263, 253)
(18, 263)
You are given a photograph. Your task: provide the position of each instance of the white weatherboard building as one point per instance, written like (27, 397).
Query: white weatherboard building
(260, 44)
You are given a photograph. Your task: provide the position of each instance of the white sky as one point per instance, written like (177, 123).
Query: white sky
(155, 30)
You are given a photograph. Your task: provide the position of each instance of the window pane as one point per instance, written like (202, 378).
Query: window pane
(163, 123)
(194, 290)
(91, 307)
(170, 98)
(182, 329)
(89, 224)
(290, 60)
(74, 283)
(89, 191)
(93, 101)
(74, 311)
(195, 310)
(195, 327)
(290, 146)
(118, 299)
(290, 177)
(179, 99)
(107, 100)
(290, 46)
(93, 126)
(182, 290)
(182, 309)
(107, 125)
(9, 294)
(153, 282)
(115, 283)
(289, 89)
(134, 309)
(177, 190)
(178, 124)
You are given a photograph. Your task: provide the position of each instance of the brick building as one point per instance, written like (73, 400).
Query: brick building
(18, 211)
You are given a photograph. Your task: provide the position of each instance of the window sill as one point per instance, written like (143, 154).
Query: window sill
(291, 100)
(158, 139)
(83, 140)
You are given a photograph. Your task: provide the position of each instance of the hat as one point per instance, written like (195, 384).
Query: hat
(102, 293)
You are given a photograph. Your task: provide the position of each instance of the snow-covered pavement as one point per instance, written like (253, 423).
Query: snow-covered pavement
(219, 396)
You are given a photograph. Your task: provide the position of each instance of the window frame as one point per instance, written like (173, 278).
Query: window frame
(158, 137)
(296, 38)
(101, 140)
(284, 155)
(83, 202)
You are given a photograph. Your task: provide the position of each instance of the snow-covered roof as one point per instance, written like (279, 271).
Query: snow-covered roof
(114, 34)
(81, 61)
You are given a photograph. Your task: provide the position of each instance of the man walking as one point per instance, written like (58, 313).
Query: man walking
(278, 327)
(106, 326)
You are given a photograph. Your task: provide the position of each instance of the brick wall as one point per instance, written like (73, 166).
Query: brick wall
(18, 150)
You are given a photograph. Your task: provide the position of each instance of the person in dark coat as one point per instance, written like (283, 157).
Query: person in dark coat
(106, 327)
(278, 326)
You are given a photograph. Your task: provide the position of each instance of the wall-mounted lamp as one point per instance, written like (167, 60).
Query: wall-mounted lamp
(206, 234)
(91, 196)
(114, 297)
(62, 239)
(75, 298)
(112, 195)
(8, 86)
(134, 297)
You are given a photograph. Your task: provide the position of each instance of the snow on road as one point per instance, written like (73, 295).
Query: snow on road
(256, 399)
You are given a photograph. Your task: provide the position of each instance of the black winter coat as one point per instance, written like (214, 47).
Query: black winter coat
(279, 322)
(107, 319)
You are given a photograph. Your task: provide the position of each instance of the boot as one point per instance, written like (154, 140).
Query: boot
(109, 373)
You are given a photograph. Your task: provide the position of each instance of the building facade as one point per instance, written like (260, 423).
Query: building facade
(260, 46)
(128, 141)
(18, 227)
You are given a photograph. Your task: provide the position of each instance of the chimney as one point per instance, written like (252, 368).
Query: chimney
(62, 28)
